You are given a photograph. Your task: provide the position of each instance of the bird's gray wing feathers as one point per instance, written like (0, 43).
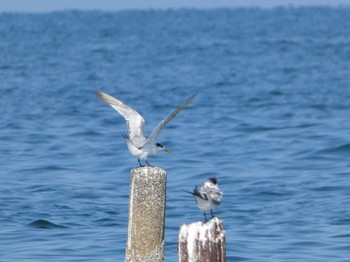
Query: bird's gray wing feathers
(214, 196)
(156, 131)
(133, 119)
(198, 192)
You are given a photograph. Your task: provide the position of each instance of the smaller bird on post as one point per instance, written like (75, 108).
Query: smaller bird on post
(137, 143)
(208, 196)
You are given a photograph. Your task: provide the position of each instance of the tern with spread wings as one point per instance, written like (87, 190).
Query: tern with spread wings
(137, 143)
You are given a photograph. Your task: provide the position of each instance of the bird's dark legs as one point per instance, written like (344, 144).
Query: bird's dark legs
(148, 163)
(205, 216)
(141, 164)
(212, 215)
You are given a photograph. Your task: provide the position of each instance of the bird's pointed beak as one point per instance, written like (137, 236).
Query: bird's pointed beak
(167, 150)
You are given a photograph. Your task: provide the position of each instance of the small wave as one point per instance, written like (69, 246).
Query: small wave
(325, 153)
(344, 148)
(41, 223)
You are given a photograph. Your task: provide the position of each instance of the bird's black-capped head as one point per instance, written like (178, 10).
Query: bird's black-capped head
(161, 147)
(213, 180)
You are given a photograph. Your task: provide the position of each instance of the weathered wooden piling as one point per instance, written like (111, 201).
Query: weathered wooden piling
(202, 242)
(147, 203)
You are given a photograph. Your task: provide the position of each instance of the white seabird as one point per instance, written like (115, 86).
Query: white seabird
(137, 143)
(208, 196)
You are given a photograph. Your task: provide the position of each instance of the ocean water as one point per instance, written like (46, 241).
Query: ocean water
(271, 121)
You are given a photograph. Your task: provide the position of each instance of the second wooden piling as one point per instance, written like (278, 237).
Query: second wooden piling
(202, 242)
(146, 215)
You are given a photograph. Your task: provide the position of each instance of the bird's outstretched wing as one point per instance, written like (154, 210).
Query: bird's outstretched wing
(156, 131)
(133, 119)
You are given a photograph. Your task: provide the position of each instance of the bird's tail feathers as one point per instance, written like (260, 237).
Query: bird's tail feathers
(189, 192)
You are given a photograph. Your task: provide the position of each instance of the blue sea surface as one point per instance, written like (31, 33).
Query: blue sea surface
(271, 121)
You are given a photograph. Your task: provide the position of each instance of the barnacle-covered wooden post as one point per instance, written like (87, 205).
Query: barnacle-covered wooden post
(146, 215)
(202, 242)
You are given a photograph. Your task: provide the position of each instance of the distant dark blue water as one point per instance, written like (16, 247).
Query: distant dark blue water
(271, 121)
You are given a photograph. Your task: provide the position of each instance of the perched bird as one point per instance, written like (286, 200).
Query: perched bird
(208, 196)
(137, 143)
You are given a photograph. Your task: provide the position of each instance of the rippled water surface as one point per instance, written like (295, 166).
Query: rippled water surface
(271, 121)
